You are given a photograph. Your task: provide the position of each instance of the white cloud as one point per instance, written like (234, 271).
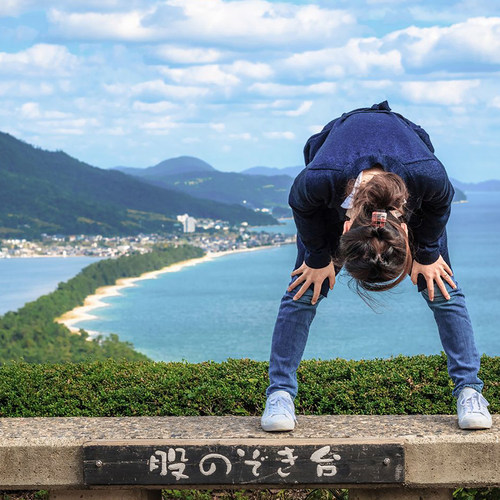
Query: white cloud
(157, 107)
(495, 102)
(464, 46)
(71, 126)
(454, 12)
(17, 7)
(13, 7)
(54, 60)
(160, 88)
(359, 57)
(31, 110)
(446, 93)
(256, 71)
(161, 126)
(210, 74)
(218, 127)
(301, 110)
(187, 55)
(18, 88)
(277, 103)
(244, 136)
(115, 131)
(262, 20)
(280, 135)
(322, 88)
(314, 129)
(279, 89)
(227, 75)
(377, 84)
(102, 26)
(248, 22)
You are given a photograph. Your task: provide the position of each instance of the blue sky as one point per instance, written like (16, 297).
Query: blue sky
(241, 83)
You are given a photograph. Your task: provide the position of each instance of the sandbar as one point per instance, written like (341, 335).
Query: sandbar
(94, 301)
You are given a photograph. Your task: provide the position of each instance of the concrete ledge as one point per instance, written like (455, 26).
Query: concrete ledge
(47, 453)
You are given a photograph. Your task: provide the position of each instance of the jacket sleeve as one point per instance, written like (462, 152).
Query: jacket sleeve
(310, 195)
(434, 214)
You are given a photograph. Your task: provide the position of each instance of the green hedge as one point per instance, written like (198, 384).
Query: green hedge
(400, 385)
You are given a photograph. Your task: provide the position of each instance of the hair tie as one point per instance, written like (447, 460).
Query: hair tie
(379, 218)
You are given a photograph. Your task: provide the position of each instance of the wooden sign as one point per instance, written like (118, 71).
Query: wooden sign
(177, 462)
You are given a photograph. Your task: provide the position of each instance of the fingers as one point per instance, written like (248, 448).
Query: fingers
(315, 297)
(450, 281)
(448, 273)
(297, 271)
(297, 282)
(306, 277)
(447, 268)
(413, 276)
(430, 288)
(442, 287)
(302, 291)
(331, 280)
(436, 272)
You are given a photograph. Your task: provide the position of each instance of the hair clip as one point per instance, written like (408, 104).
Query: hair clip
(379, 218)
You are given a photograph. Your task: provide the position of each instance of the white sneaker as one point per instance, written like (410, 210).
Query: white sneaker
(279, 414)
(472, 410)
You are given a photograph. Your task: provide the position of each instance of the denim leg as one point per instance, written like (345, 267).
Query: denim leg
(457, 337)
(289, 341)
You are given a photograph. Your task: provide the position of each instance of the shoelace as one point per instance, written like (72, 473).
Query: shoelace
(475, 402)
(279, 406)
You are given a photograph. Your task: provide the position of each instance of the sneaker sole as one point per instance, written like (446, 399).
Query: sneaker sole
(475, 424)
(277, 427)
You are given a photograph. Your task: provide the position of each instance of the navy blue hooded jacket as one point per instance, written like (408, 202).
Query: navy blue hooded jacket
(354, 142)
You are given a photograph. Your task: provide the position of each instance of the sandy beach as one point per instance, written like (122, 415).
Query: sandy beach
(96, 300)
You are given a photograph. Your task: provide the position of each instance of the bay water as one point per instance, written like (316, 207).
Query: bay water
(226, 308)
(25, 279)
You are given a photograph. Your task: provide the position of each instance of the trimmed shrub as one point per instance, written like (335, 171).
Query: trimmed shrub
(399, 385)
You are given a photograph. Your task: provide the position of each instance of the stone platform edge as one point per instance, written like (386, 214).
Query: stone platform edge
(47, 452)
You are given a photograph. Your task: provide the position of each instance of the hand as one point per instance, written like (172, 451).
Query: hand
(309, 276)
(434, 272)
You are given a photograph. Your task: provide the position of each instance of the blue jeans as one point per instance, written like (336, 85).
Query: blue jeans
(452, 319)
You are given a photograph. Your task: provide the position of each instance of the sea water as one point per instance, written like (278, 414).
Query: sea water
(226, 308)
(26, 279)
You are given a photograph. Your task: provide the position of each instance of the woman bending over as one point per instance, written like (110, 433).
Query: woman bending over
(374, 199)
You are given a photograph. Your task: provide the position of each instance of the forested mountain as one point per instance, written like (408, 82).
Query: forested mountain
(491, 185)
(51, 192)
(172, 166)
(256, 187)
(197, 178)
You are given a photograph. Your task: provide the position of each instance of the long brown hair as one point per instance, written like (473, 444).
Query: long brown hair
(377, 258)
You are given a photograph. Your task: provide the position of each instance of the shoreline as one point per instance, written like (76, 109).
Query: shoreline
(94, 301)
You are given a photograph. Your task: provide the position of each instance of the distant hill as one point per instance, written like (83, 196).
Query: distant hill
(459, 194)
(256, 187)
(291, 171)
(459, 186)
(51, 192)
(491, 185)
(197, 178)
(173, 166)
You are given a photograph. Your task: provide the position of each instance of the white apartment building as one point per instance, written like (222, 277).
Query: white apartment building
(188, 223)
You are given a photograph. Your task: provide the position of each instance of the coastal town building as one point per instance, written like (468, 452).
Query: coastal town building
(188, 223)
(210, 239)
